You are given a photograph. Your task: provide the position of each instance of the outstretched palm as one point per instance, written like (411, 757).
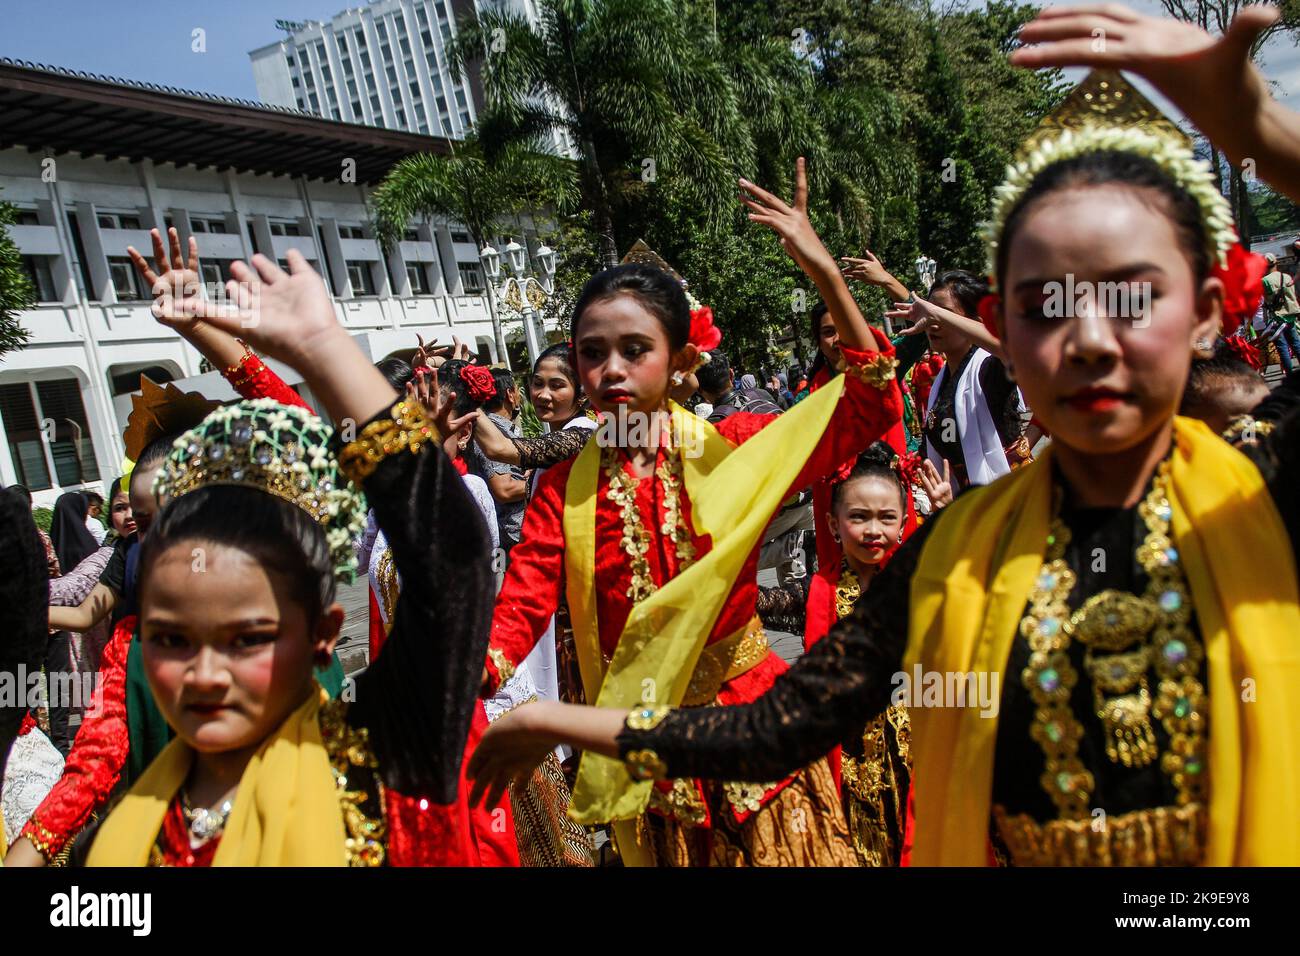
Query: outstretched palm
(282, 314)
(176, 280)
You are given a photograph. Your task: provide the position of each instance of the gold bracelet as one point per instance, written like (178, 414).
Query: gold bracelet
(408, 428)
(646, 718)
(877, 373)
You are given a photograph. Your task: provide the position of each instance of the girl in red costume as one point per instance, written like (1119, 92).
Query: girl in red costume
(619, 526)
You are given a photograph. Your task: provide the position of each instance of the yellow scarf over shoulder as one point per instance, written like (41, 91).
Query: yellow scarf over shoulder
(734, 491)
(286, 810)
(967, 598)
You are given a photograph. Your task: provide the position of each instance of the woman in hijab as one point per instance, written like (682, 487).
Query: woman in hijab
(73, 541)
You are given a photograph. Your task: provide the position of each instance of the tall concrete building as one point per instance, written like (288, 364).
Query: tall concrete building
(385, 64)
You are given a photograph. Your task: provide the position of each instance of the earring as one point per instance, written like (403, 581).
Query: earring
(1203, 349)
(678, 378)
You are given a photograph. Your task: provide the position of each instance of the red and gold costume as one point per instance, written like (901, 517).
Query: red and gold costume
(421, 832)
(691, 822)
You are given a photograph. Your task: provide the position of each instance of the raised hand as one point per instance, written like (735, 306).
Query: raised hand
(923, 315)
(938, 488)
(1209, 78)
(866, 269)
(282, 314)
(175, 280)
(439, 405)
(789, 221)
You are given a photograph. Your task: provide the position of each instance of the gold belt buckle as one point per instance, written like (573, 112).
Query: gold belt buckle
(724, 660)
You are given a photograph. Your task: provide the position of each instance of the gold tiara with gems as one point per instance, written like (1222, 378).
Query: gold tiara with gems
(1105, 112)
(282, 450)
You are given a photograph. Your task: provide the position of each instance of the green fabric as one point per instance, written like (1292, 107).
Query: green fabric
(149, 733)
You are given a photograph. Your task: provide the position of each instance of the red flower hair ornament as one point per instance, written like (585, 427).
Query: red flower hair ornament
(1243, 286)
(704, 335)
(478, 382)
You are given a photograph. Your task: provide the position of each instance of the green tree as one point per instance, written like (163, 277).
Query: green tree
(16, 292)
(481, 193)
(627, 84)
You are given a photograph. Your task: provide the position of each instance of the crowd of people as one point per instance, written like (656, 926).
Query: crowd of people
(1049, 613)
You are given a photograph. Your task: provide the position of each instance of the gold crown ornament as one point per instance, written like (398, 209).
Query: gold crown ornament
(1105, 112)
(702, 328)
(282, 450)
(160, 411)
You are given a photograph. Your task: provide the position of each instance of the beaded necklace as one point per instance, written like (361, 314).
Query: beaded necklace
(636, 539)
(1125, 636)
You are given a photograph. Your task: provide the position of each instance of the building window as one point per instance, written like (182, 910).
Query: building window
(343, 42)
(284, 229)
(411, 235)
(57, 405)
(418, 278)
(359, 276)
(297, 85)
(460, 237)
(127, 283)
(427, 37)
(391, 71)
(465, 121)
(406, 46)
(401, 115)
(351, 232)
(356, 109)
(38, 270)
(421, 17)
(113, 220)
(374, 104)
(381, 30)
(28, 217)
(209, 224)
(365, 59)
(471, 277)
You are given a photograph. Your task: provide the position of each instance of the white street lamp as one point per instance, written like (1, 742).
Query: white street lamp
(546, 262)
(517, 256)
(491, 260)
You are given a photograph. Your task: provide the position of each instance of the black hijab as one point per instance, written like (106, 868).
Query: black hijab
(24, 612)
(73, 542)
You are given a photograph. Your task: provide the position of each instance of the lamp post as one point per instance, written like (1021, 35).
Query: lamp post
(491, 260)
(520, 291)
(925, 270)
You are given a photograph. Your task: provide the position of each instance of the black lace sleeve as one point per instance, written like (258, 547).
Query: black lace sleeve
(829, 692)
(783, 608)
(548, 450)
(1271, 439)
(417, 696)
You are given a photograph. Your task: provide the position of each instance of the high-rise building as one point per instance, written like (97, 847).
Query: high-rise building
(384, 64)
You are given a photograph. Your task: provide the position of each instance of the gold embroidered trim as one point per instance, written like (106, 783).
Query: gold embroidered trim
(645, 765)
(1159, 836)
(505, 670)
(746, 797)
(1246, 430)
(682, 802)
(354, 765)
(408, 429)
(386, 579)
(847, 591)
(1125, 635)
(877, 372)
(726, 660)
(646, 718)
(43, 839)
(670, 474)
(636, 539)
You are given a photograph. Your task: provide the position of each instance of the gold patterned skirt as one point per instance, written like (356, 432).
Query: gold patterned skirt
(802, 825)
(876, 786)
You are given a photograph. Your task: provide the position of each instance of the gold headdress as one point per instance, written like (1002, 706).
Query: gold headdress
(1105, 112)
(160, 411)
(280, 449)
(704, 334)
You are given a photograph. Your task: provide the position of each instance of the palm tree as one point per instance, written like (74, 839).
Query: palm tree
(469, 188)
(627, 84)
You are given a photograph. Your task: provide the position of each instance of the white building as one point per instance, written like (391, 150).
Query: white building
(92, 164)
(385, 64)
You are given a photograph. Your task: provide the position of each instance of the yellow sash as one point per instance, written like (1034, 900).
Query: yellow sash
(286, 811)
(733, 492)
(967, 598)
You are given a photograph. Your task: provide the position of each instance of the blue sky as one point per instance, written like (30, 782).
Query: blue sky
(152, 41)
